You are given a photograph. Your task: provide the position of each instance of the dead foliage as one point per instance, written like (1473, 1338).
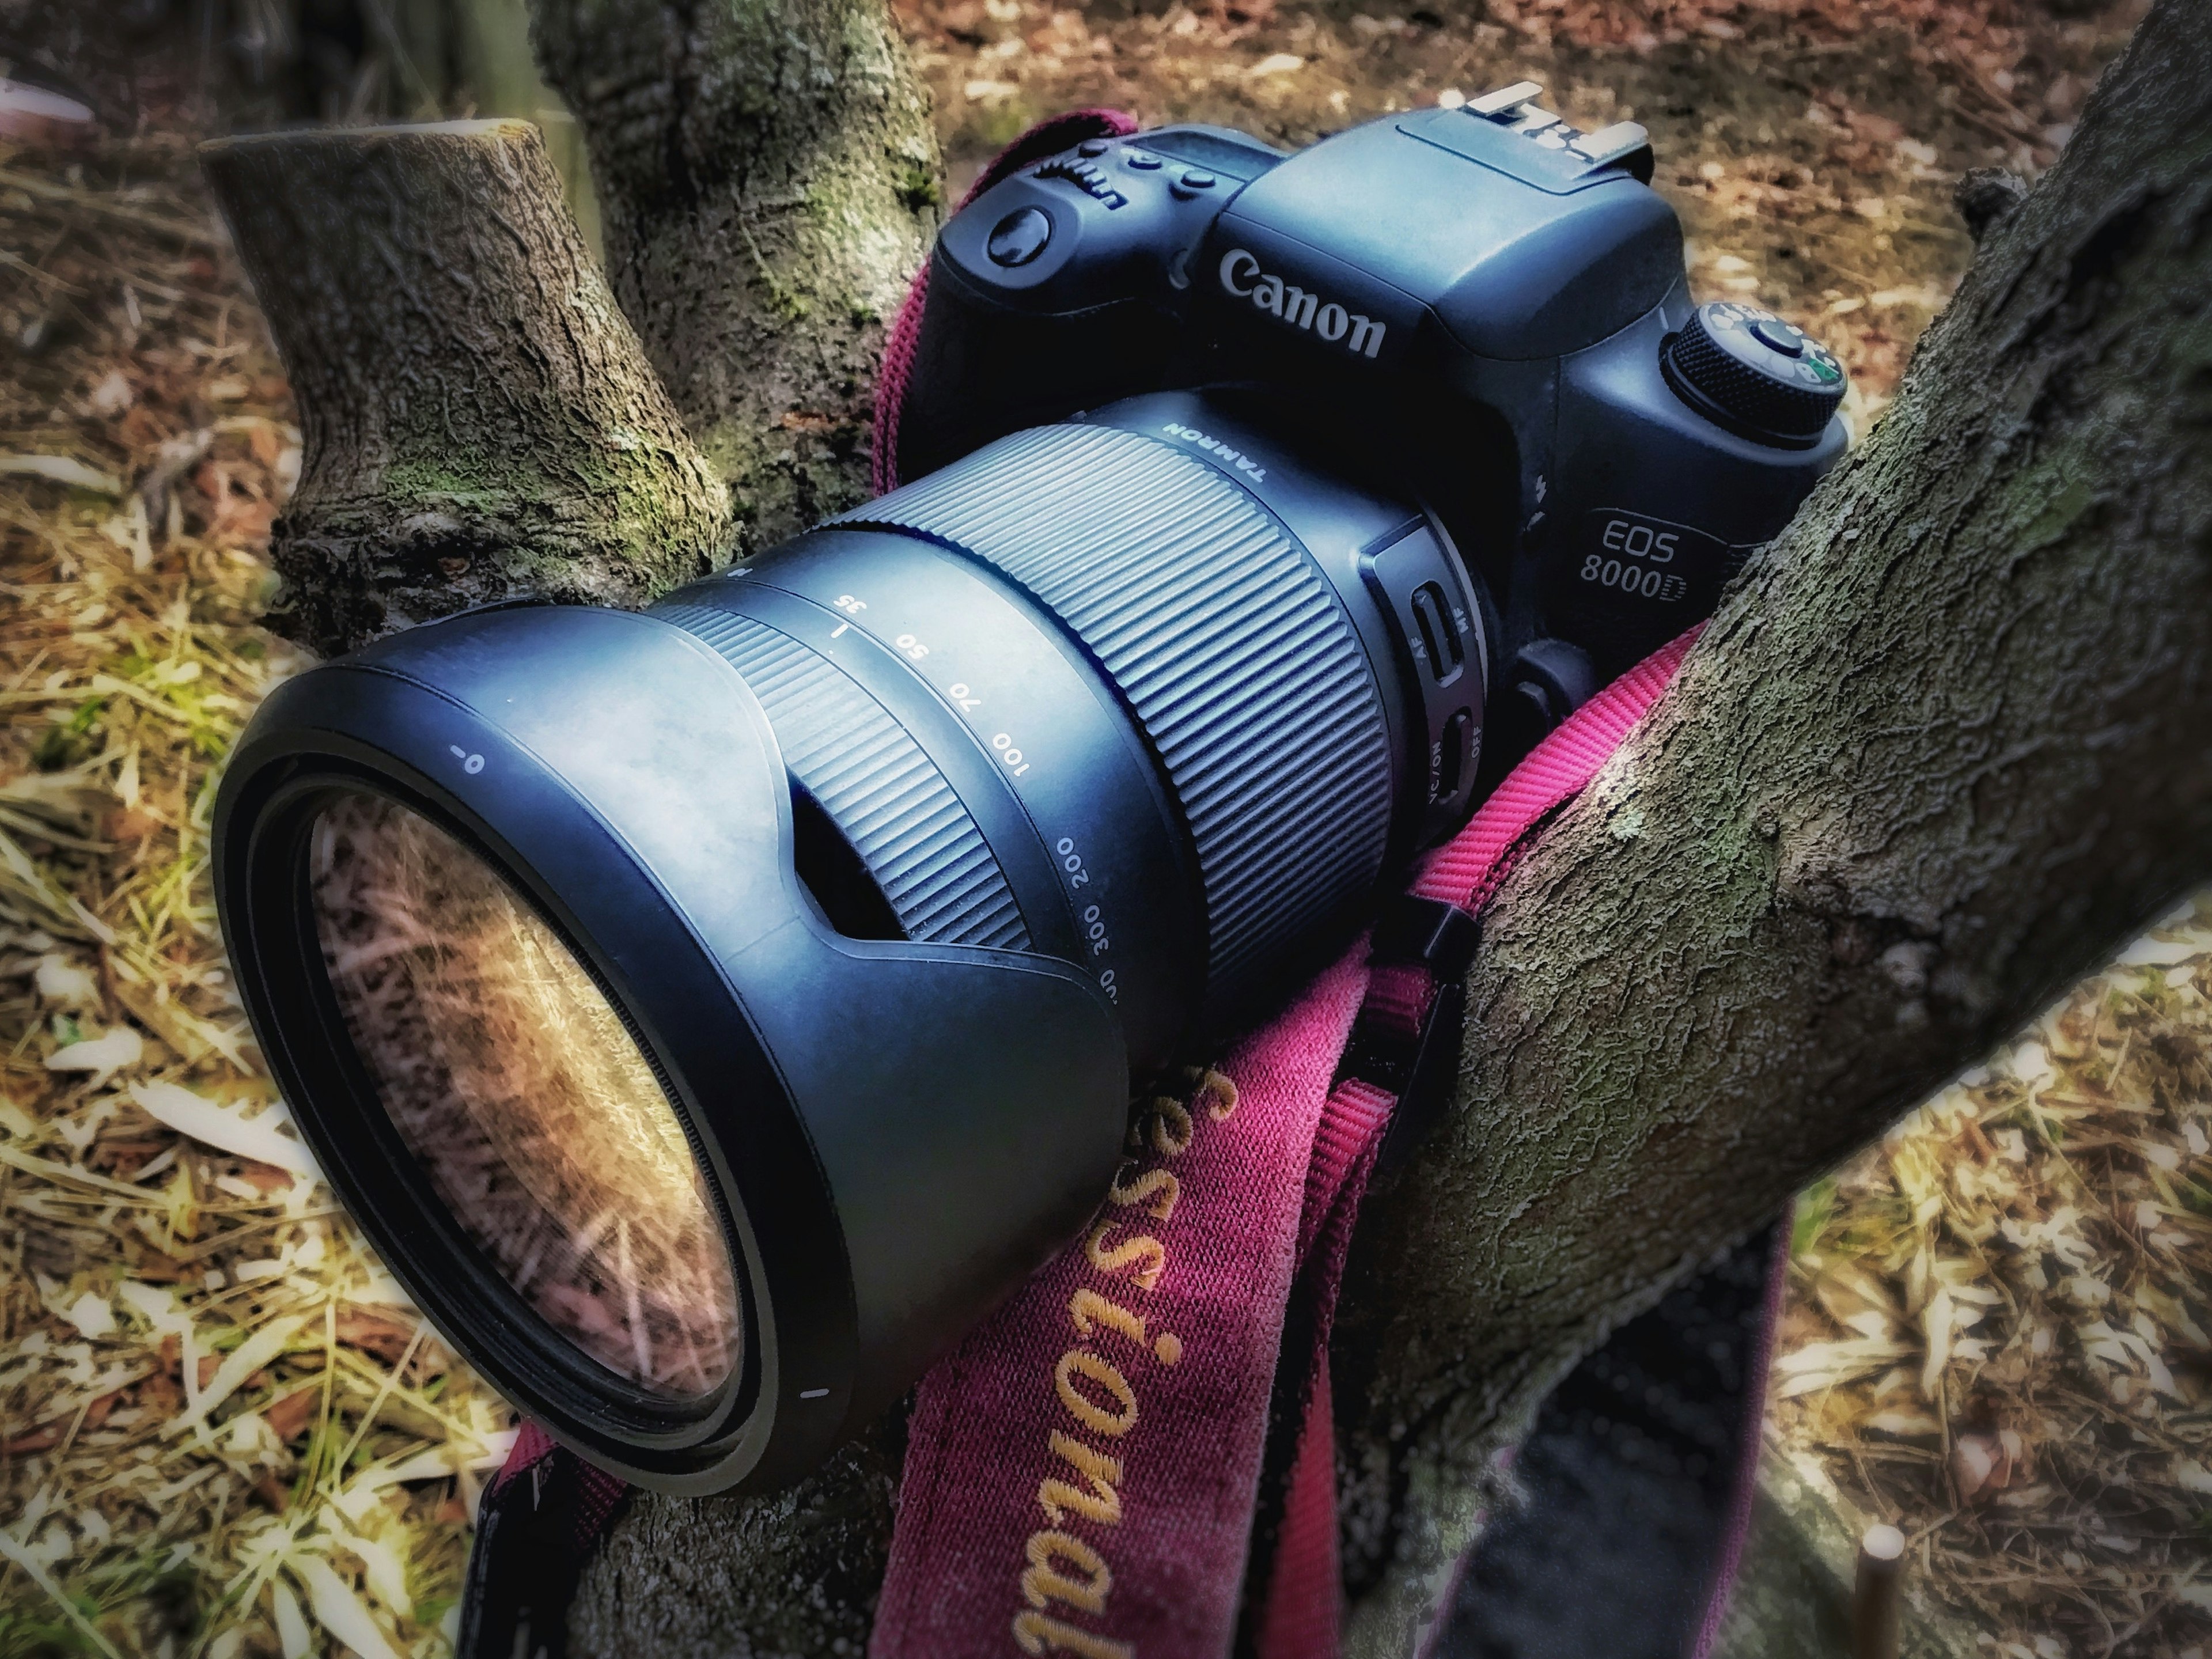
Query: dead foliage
(223, 1430)
(1997, 1336)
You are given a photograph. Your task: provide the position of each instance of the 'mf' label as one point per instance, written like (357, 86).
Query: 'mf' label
(1242, 277)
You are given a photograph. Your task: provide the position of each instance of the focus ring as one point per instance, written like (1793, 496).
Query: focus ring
(885, 794)
(1228, 643)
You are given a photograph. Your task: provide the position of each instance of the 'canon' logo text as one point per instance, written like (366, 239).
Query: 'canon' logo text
(1241, 276)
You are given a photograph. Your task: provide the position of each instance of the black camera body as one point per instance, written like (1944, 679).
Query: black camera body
(1480, 308)
(711, 1012)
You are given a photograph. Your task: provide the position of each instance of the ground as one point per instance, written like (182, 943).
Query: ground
(225, 1434)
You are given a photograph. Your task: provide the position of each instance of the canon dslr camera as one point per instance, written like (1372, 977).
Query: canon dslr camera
(711, 1012)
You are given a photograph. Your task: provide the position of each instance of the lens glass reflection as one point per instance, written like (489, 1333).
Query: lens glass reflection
(521, 1091)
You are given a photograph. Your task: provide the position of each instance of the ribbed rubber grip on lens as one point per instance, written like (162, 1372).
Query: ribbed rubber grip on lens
(1232, 650)
(878, 786)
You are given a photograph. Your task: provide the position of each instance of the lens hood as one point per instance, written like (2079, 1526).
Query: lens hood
(895, 1133)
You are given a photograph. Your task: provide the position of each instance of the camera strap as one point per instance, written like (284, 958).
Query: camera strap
(1136, 1455)
(1396, 1078)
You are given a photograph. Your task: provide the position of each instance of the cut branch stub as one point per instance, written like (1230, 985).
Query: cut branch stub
(480, 422)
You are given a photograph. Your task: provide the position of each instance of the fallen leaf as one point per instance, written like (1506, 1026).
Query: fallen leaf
(226, 1127)
(62, 469)
(289, 1416)
(373, 1333)
(101, 1056)
(339, 1610)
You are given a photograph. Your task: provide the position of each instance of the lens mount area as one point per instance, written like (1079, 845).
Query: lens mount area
(580, 821)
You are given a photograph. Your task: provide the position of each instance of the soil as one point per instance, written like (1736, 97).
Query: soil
(1810, 148)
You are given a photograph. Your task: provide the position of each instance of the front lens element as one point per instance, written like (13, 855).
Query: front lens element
(521, 1092)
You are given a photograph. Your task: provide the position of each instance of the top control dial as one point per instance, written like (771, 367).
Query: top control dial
(1752, 372)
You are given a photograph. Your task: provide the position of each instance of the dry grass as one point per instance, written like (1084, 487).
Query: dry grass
(1998, 1335)
(222, 1430)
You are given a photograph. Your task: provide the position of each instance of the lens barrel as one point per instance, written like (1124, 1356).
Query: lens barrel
(893, 858)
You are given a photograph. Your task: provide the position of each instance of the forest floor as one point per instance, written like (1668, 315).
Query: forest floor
(221, 1430)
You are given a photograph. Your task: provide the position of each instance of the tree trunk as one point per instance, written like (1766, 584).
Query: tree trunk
(480, 423)
(1946, 742)
(769, 181)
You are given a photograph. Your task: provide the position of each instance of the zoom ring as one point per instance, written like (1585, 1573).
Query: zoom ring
(885, 796)
(1230, 646)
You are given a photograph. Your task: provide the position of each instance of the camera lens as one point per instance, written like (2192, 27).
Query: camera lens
(710, 1013)
(518, 1088)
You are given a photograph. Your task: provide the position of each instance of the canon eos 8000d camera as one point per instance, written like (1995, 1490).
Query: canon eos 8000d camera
(711, 1012)
(1481, 309)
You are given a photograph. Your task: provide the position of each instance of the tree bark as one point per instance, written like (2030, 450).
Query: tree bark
(480, 422)
(794, 1573)
(1945, 745)
(769, 181)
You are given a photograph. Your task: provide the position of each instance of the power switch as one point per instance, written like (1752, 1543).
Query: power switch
(1446, 651)
(1447, 772)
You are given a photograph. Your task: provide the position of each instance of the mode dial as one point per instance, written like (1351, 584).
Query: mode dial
(1747, 369)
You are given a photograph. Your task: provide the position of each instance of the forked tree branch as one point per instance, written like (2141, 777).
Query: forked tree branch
(1946, 742)
(770, 182)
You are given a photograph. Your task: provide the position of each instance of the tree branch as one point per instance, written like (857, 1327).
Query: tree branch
(770, 181)
(1946, 744)
(480, 422)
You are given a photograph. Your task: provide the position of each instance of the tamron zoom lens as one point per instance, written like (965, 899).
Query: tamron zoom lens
(710, 1013)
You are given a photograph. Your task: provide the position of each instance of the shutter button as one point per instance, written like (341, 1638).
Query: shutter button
(1019, 237)
(1192, 182)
